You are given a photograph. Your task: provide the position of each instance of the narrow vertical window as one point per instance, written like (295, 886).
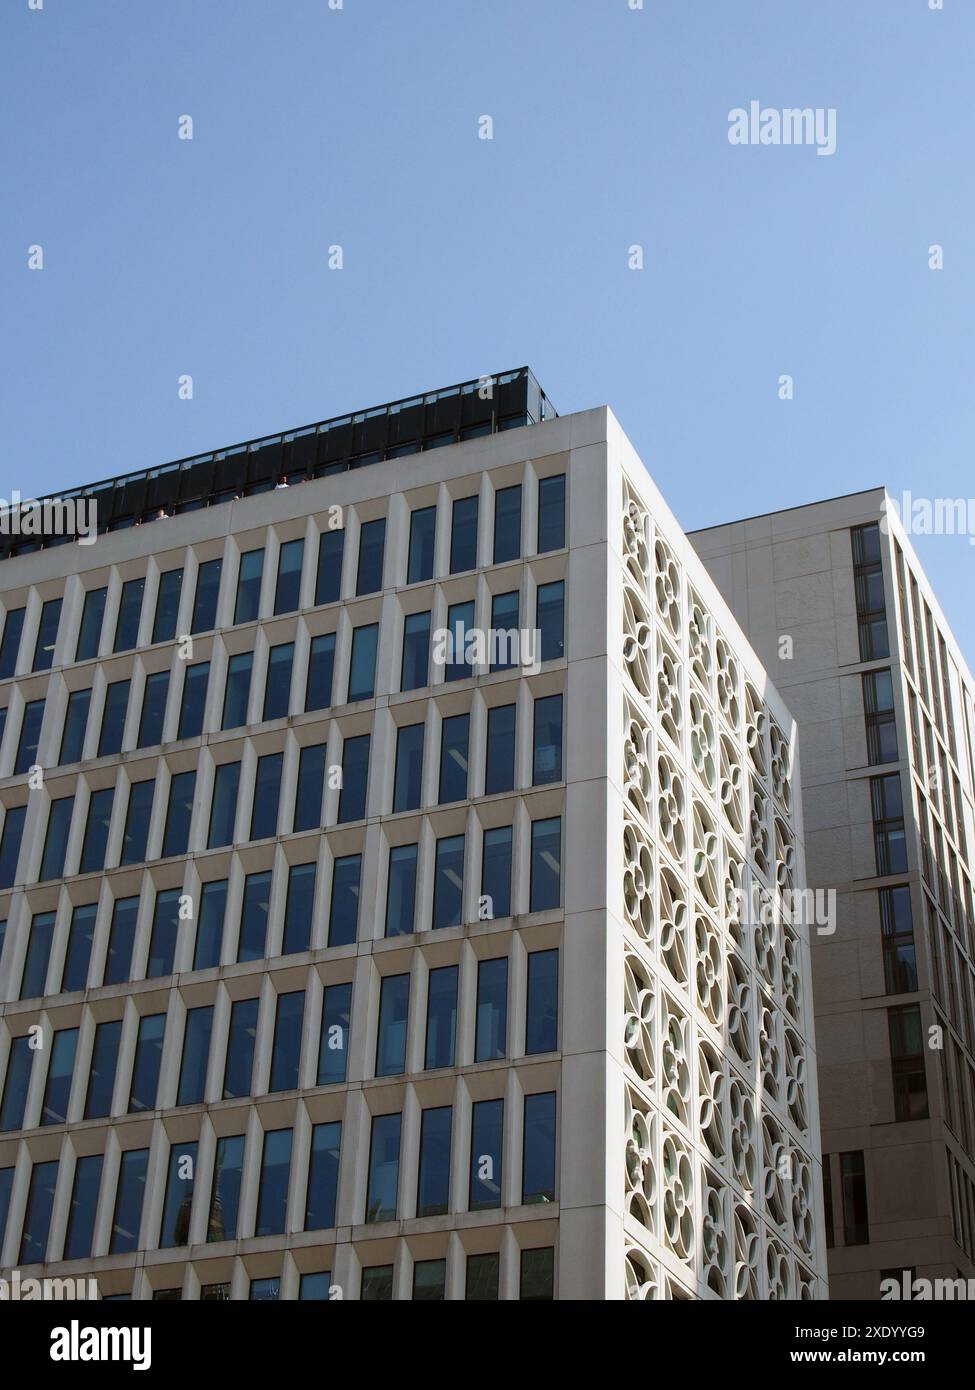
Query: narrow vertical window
(383, 1168)
(408, 775)
(551, 513)
(153, 709)
(362, 669)
(448, 882)
(463, 535)
(401, 890)
(90, 632)
(507, 524)
(205, 600)
(499, 772)
(372, 544)
(129, 615)
(343, 917)
(546, 865)
(333, 1051)
(415, 670)
(321, 667)
(487, 1137)
(277, 688)
(328, 584)
(423, 531)
(441, 1017)
(96, 831)
(47, 635)
(167, 606)
(249, 586)
(491, 1032)
(287, 592)
(195, 681)
(394, 1012)
(267, 792)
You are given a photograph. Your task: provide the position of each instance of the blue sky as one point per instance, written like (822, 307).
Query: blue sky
(359, 127)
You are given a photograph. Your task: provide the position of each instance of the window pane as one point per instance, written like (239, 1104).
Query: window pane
(433, 1185)
(355, 770)
(550, 621)
(84, 1201)
(460, 620)
(101, 1077)
(333, 1050)
(167, 606)
(205, 600)
(148, 1057)
(30, 735)
(196, 1055)
(118, 965)
(383, 1168)
(193, 706)
(13, 830)
(13, 627)
(225, 1199)
(237, 692)
(254, 916)
(113, 718)
(507, 524)
(408, 780)
(275, 1170)
(129, 1197)
(454, 740)
(153, 709)
(505, 637)
(249, 586)
(415, 670)
(329, 582)
(165, 929)
(129, 613)
(551, 513)
(323, 1177)
(209, 930)
(286, 1048)
(90, 632)
(538, 1275)
(429, 1281)
(223, 809)
(288, 590)
(542, 1023)
(240, 1048)
(267, 792)
(362, 672)
(546, 864)
(483, 1273)
(136, 834)
(15, 1085)
(500, 771)
(496, 875)
(491, 1037)
(38, 955)
(463, 535)
(317, 1286)
(178, 1203)
(78, 956)
(277, 691)
(401, 890)
(423, 530)
(311, 786)
(176, 836)
(47, 635)
(321, 666)
(441, 1017)
(377, 1284)
(487, 1121)
(538, 1167)
(75, 726)
(298, 908)
(37, 1218)
(547, 743)
(394, 1011)
(343, 918)
(56, 839)
(448, 884)
(372, 542)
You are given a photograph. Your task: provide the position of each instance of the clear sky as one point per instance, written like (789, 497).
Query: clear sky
(462, 256)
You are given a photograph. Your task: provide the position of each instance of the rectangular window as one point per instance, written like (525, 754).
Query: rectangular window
(6, 1187)
(121, 940)
(205, 599)
(167, 606)
(287, 592)
(148, 1058)
(47, 635)
(401, 890)
(383, 1168)
(129, 1197)
(907, 1063)
(239, 1066)
(868, 584)
(16, 1084)
(394, 1013)
(321, 667)
(408, 778)
(333, 1051)
(551, 513)
(323, 1177)
(377, 1284)
(433, 1182)
(75, 727)
(196, 1056)
(277, 689)
(90, 632)
(286, 1048)
(550, 621)
(890, 842)
(429, 1281)
(84, 1202)
(249, 586)
(372, 543)
(487, 1137)
(311, 787)
(415, 670)
(423, 532)
(505, 637)
(56, 839)
(209, 928)
(483, 1274)
(101, 1075)
(13, 831)
(454, 741)
(30, 736)
(441, 1017)
(897, 929)
(538, 1275)
(178, 1203)
(355, 774)
(113, 718)
(496, 874)
(129, 614)
(237, 690)
(78, 955)
(538, 1158)
(328, 586)
(546, 865)
(448, 882)
(856, 1227)
(223, 807)
(267, 792)
(547, 741)
(463, 535)
(299, 906)
(878, 705)
(272, 1201)
(37, 1217)
(499, 775)
(179, 813)
(153, 709)
(165, 929)
(460, 620)
(828, 1200)
(228, 1171)
(34, 977)
(253, 917)
(491, 1034)
(193, 706)
(343, 917)
(362, 669)
(13, 628)
(507, 524)
(542, 1011)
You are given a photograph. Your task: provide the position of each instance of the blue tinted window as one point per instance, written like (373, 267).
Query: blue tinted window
(287, 592)
(165, 929)
(311, 787)
(196, 1055)
(193, 705)
(323, 1177)
(321, 667)
(267, 792)
(15, 1084)
(239, 1067)
(75, 726)
(223, 808)
(78, 955)
(101, 1075)
(329, 579)
(38, 955)
(401, 890)
(542, 1012)
(408, 780)
(118, 965)
(277, 691)
(30, 735)
(137, 815)
(167, 606)
(546, 865)
(507, 524)
(90, 632)
(551, 513)
(10, 643)
(487, 1135)
(225, 1198)
(505, 637)
(362, 670)
(249, 586)
(178, 1204)
(448, 883)
(343, 919)
(129, 1197)
(372, 543)
(538, 1166)
(148, 1057)
(266, 1290)
(547, 740)
(84, 1202)
(56, 839)
(237, 692)
(253, 917)
(272, 1200)
(6, 1187)
(298, 908)
(317, 1286)
(433, 1184)
(491, 1036)
(550, 621)
(129, 613)
(463, 535)
(113, 718)
(153, 709)
(383, 1168)
(415, 671)
(47, 635)
(454, 739)
(460, 620)
(13, 830)
(355, 773)
(286, 1048)
(496, 873)
(423, 533)
(333, 1051)
(179, 813)
(209, 930)
(205, 599)
(37, 1218)
(394, 1013)
(441, 1017)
